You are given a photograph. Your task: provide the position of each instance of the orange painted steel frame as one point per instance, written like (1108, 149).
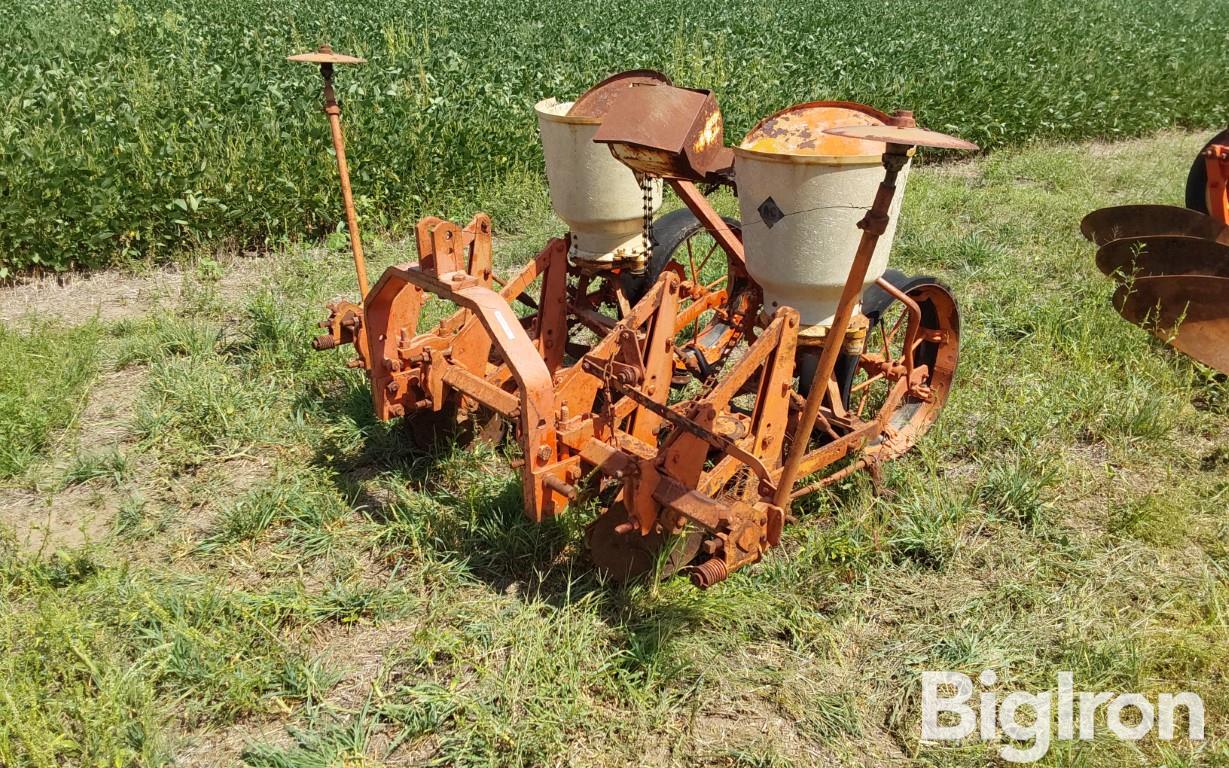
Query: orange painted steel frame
(606, 417)
(1216, 157)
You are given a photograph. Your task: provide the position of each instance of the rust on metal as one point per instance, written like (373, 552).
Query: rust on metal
(325, 55)
(873, 225)
(1126, 222)
(912, 136)
(708, 573)
(800, 131)
(1216, 160)
(1189, 312)
(666, 131)
(594, 103)
(1164, 255)
(326, 58)
(1172, 264)
(585, 371)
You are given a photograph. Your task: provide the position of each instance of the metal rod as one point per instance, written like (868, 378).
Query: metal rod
(872, 225)
(703, 210)
(339, 147)
(915, 321)
(833, 478)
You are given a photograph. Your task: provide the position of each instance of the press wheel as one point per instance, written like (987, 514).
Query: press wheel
(937, 346)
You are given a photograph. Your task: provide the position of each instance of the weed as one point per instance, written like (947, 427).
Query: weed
(44, 373)
(111, 466)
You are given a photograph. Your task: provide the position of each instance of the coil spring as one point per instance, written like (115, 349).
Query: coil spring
(709, 572)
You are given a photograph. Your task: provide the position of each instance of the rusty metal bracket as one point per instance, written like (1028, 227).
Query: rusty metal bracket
(717, 441)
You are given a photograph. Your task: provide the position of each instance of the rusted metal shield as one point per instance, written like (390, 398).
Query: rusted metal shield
(325, 55)
(1189, 312)
(1159, 256)
(893, 134)
(663, 130)
(596, 101)
(1134, 221)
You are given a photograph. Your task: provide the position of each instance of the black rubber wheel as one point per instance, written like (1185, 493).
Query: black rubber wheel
(670, 233)
(1197, 179)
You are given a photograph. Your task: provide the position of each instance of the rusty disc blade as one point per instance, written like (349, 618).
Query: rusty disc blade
(1131, 221)
(916, 137)
(624, 557)
(325, 55)
(596, 101)
(1189, 312)
(1159, 256)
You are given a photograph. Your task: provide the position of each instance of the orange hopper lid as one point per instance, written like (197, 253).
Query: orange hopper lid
(800, 132)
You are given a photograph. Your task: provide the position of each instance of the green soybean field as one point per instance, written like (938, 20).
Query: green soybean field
(138, 129)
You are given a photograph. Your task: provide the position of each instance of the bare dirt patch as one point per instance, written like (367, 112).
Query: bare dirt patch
(360, 654)
(108, 411)
(77, 298)
(204, 749)
(45, 520)
(65, 520)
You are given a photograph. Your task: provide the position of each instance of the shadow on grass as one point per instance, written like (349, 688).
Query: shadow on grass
(451, 500)
(454, 512)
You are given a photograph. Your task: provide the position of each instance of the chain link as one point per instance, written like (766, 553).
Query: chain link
(646, 190)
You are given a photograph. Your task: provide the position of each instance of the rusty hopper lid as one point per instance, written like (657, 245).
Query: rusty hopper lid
(595, 102)
(902, 134)
(1189, 312)
(799, 134)
(667, 131)
(325, 55)
(590, 107)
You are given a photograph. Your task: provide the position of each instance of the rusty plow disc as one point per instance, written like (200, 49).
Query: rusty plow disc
(626, 556)
(1130, 222)
(1164, 255)
(1189, 312)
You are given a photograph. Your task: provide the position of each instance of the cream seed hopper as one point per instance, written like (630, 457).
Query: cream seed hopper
(801, 193)
(607, 207)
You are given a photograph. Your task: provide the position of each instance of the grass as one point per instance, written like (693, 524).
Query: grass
(285, 582)
(42, 388)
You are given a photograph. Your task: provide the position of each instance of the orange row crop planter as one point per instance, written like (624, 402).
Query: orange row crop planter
(637, 359)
